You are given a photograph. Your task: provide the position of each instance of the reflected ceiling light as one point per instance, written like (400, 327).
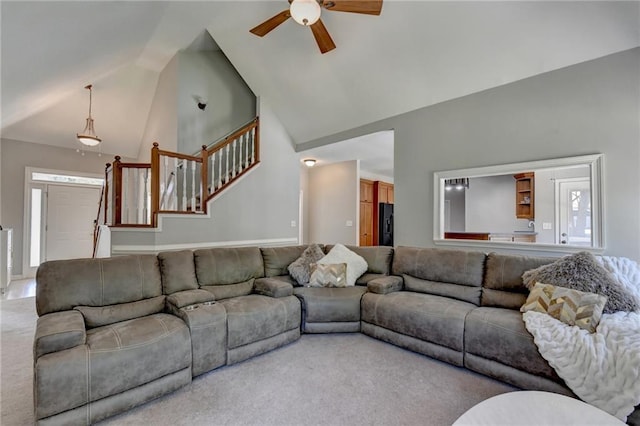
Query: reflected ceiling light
(88, 136)
(310, 162)
(305, 12)
(458, 183)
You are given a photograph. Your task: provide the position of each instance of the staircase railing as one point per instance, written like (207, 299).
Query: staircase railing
(231, 158)
(134, 193)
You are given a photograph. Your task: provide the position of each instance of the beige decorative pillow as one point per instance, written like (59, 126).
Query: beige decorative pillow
(328, 275)
(356, 263)
(581, 271)
(570, 306)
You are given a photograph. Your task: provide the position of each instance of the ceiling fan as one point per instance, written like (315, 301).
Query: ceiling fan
(307, 13)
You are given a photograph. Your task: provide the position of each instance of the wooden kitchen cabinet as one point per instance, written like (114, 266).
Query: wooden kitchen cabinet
(366, 213)
(525, 195)
(366, 191)
(384, 192)
(366, 224)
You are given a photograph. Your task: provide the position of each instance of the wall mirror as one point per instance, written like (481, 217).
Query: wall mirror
(552, 204)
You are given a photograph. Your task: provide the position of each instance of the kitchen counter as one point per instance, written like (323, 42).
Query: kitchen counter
(516, 236)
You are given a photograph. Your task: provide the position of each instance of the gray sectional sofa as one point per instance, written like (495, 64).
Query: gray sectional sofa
(114, 333)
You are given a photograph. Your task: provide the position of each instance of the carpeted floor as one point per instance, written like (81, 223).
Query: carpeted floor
(336, 379)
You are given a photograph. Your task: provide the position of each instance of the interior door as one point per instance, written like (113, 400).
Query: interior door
(574, 204)
(71, 211)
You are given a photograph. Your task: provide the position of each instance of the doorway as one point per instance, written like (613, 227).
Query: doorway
(60, 209)
(573, 219)
(71, 211)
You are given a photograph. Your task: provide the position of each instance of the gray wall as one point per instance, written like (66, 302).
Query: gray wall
(162, 125)
(457, 210)
(587, 108)
(490, 205)
(230, 102)
(260, 206)
(334, 195)
(16, 155)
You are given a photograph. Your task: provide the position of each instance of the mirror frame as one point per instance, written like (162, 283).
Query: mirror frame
(596, 165)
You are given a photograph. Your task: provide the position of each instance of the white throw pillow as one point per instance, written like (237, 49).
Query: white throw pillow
(356, 265)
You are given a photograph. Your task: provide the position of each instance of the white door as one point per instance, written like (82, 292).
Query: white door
(71, 211)
(574, 203)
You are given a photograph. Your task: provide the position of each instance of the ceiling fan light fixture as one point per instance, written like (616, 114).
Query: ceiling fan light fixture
(88, 136)
(305, 12)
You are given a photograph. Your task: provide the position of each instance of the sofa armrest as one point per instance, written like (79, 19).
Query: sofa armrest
(58, 331)
(272, 287)
(384, 285)
(180, 299)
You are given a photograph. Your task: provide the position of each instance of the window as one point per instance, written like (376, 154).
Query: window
(56, 178)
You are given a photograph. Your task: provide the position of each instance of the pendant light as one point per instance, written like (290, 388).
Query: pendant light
(88, 136)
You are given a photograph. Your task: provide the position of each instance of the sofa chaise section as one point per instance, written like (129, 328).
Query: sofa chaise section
(260, 316)
(440, 288)
(103, 344)
(512, 356)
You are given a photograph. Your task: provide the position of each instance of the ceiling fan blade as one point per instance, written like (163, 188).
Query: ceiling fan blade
(325, 43)
(268, 25)
(368, 7)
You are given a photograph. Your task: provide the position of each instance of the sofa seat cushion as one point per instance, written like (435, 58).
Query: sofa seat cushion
(255, 317)
(128, 354)
(431, 318)
(330, 304)
(499, 334)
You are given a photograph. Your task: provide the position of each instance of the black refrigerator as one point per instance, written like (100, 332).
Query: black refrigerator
(385, 224)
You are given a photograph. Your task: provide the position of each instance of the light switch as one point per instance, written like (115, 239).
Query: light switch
(349, 223)
(547, 225)
(293, 223)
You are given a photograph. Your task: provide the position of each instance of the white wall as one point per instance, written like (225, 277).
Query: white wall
(586, 108)
(304, 187)
(334, 194)
(258, 209)
(230, 102)
(162, 125)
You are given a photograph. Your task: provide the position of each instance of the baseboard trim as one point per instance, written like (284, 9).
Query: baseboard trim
(120, 250)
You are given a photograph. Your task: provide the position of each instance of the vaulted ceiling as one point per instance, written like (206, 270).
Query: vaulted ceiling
(415, 54)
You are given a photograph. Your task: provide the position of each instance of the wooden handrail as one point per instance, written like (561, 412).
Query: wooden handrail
(155, 184)
(117, 191)
(233, 136)
(242, 153)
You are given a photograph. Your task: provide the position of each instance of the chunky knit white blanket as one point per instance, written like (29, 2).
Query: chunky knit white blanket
(601, 368)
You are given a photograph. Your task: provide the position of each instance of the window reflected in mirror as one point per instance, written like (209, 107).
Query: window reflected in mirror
(550, 202)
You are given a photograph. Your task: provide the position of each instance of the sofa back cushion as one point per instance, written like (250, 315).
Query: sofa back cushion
(178, 271)
(378, 258)
(277, 259)
(233, 268)
(65, 284)
(451, 273)
(502, 285)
